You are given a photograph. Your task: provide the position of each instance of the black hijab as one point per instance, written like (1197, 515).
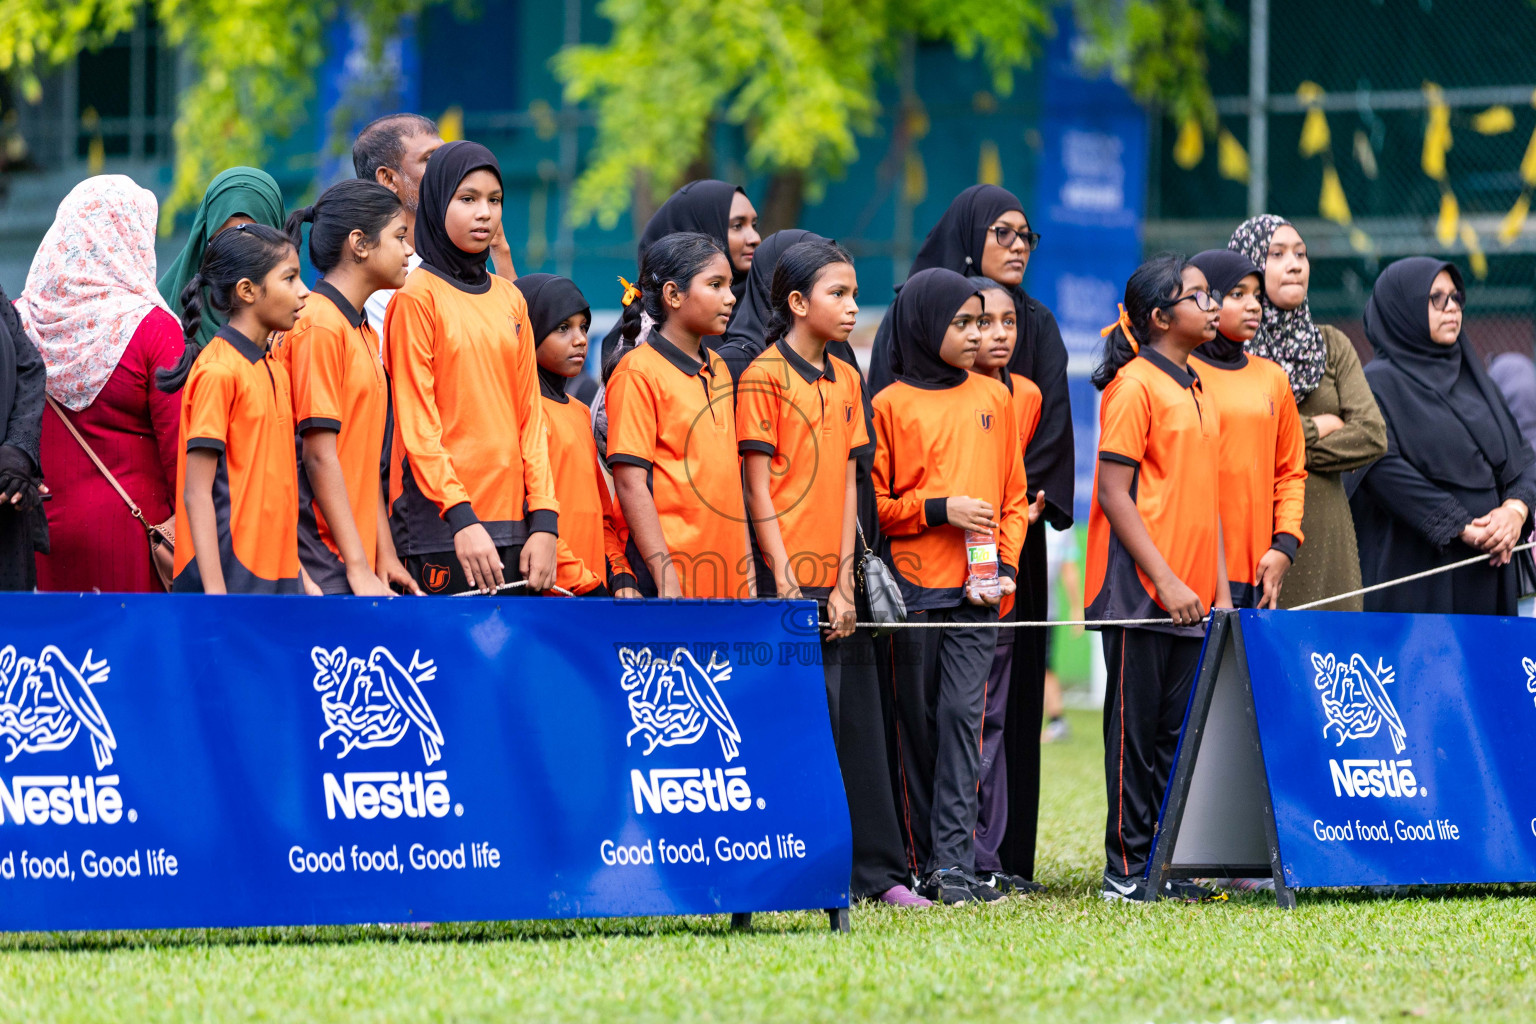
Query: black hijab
(747, 335)
(1426, 390)
(1223, 269)
(703, 206)
(447, 169)
(957, 240)
(919, 319)
(552, 300)
(956, 243)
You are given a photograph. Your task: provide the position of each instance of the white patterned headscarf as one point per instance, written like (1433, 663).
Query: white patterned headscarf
(92, 282)
(1287, 336)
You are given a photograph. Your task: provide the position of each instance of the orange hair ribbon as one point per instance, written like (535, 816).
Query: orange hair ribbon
(1124, 323)
(631, 292)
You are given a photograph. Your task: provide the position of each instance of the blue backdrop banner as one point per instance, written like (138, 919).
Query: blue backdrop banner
(228, 761)
(1398, 748)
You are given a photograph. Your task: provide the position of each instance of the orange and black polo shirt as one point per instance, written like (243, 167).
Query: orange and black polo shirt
(1263, 465)
(1026, 410)
(934, 444)
(1026, 405)
(811, 421)
(673, 416)
(236, 402)
(1155, 417)
(333, 359)
(588, 552)
(469, 443)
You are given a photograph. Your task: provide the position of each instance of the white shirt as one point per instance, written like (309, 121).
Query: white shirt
(378, 302)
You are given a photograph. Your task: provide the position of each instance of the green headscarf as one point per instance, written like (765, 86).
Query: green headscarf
(244, 190)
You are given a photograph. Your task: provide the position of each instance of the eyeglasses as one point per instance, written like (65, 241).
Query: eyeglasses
(1203, 299)
(1007, 235)
(1442, 299)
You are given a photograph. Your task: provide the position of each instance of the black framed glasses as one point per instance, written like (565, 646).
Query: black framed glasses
(1204, 300)
(1006, 236)
(1442, 299)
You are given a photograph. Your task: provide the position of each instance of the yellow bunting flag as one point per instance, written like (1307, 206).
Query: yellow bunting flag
(1475, 255)
(915, 181)
(1331, 203)
(1528, 165)
(1314, 130)
(989, 167)
(1449, 220)
(1365, 155)
(1514, 221)
(1494, 121)
(1231, 157)
(451, 125)
(1437, 132)
(1360, 241)
(1189, 150)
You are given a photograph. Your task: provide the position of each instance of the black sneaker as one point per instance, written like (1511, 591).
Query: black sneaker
(984, 890)
(1190, 892)
(1118, 888)
(1012, 885)
(949, 886)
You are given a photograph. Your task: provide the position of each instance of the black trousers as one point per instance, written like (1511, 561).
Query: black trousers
(992, 812)
(1026, 707)
(858, 730)
(1150, 677)
(18, 559)
(440, 573)
(940, 692)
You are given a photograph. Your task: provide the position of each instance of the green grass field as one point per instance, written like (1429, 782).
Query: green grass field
(1062, 957)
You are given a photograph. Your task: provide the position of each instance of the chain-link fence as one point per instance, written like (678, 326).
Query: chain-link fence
(1382, 128)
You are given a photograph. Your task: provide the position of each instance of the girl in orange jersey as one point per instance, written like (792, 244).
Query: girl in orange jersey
(1154, 548)
(947, 460)
(592, 537)
(1263, 449)
(237, 501)
(472, 502)
(801, 428)
(672, 430)
(999, 336)
(340, 392)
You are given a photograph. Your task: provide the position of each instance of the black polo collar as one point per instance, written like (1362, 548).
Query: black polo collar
(677, 357)
(1184, 378)
(245, 346)
(354, 317)
(807, 372)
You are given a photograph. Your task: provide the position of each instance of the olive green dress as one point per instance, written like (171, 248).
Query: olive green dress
(1329, 561)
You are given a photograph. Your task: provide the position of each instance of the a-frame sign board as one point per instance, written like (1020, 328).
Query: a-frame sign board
(1333, 749)
(1217, 818)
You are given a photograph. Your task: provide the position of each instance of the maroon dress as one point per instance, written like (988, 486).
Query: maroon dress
(132, 427)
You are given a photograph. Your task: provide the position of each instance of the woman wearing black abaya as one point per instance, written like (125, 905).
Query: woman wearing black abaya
(1458, 478)
(23, 527)
(985, 232)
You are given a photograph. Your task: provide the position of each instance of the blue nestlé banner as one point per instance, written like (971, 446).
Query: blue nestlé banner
(1398, 748)
(231, 761)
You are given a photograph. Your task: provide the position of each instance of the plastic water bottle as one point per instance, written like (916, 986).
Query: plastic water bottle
(981, 564)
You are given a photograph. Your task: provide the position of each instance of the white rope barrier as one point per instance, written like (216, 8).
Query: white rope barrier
(507, 586)
(888, 626)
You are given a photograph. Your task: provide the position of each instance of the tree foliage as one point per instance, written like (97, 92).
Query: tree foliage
(254, 66)
(800, 76)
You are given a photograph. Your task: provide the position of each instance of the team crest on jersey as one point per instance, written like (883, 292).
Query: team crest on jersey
(985, 418)
(435, 576)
